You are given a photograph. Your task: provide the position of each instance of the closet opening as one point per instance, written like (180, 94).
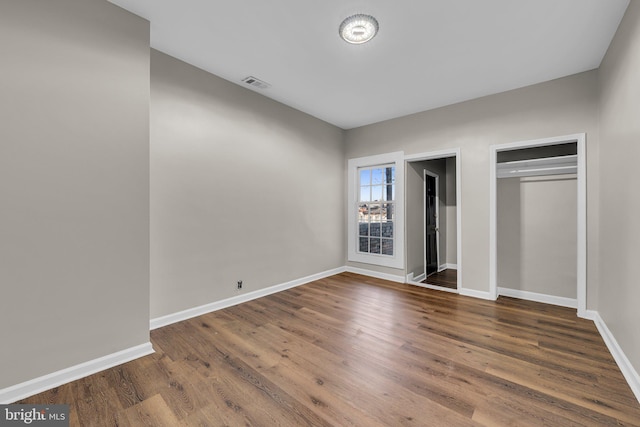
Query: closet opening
(538, 218)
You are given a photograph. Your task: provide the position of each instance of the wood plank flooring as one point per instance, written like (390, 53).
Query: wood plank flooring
(355, 351)
(446, 278)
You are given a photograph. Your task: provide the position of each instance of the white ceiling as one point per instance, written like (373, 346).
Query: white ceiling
(427, 54)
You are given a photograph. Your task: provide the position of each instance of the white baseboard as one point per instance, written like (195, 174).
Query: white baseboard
(189, 313)
(448, 267)
(376, 274)
(55, 379)
(420, 278)
(628, 371)
(428, 286)
(534, 296)
(476, 294)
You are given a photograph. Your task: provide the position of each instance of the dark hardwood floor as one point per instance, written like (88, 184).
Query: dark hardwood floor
(355, 351)
(446, 278)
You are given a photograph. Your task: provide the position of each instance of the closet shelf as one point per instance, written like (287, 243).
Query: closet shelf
(561, 165)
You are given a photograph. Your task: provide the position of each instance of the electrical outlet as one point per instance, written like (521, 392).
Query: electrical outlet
(239, 284)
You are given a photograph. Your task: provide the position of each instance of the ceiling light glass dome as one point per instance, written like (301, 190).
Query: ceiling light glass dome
(358, 29)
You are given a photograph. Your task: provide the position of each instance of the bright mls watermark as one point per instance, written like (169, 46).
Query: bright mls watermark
(34, 415)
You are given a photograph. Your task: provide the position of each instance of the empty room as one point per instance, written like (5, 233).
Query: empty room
(338, 213)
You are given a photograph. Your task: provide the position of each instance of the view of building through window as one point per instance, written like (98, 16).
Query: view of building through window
(376, 209)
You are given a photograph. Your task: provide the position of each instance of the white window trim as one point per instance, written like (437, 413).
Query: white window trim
(397, 259)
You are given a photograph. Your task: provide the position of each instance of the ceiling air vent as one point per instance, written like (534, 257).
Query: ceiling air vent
(257, 83)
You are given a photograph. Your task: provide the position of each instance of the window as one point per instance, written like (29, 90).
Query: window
(375, 223)
(376, 209)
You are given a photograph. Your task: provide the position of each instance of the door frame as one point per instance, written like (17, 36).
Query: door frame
(424, 192)
(581, 221)
(441, 154)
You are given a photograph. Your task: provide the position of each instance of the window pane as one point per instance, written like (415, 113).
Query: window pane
(364, 244)
(375, 229)
(387, 247)
(376, 193)
(389, 192)
(375, 246)
(365, 194)
(374, 212)
(365, 177)
(390, 175)
(387, 229)
(377, 176)
(389, 211)
(363, 213)
(363, 229)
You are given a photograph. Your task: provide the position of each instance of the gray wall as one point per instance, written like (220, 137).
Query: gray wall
(559, 107)
(414, 218)
(537, 234)
(242, 187)
(620, 198)
(74, 184)
(451, 212)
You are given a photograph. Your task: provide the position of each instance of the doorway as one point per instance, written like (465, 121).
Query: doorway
(432, 220)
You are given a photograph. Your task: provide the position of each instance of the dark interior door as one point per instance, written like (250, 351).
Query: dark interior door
(431, 250)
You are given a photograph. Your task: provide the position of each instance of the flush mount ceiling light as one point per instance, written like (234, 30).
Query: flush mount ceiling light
(358, 29)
